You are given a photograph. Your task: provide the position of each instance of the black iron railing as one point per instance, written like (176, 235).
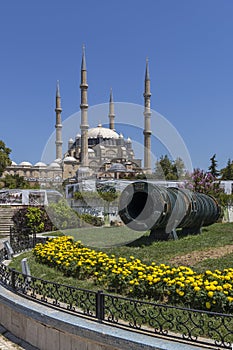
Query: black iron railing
(187, 325)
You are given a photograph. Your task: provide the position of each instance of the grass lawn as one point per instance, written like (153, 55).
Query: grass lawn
(216, 237)
(104, 237)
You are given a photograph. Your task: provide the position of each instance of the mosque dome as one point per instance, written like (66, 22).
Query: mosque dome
(54, 165)
(117, 167)
(40, 164)
(69, 159)
(58, 160)
(13, 163)
(24, 163)
(104, 132)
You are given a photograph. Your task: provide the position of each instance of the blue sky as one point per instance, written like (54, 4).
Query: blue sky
(190, 50)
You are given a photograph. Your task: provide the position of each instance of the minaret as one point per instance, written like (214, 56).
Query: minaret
(111, 112)
(84, 107)
(58, 125)
(147, 116)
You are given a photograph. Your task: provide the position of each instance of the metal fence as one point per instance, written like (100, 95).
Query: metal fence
(201, 327)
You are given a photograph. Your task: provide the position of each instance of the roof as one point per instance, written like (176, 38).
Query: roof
(40, 164)
(104, 132)
(54, 165)
(69, 159)
(24, 163)
(117, 167)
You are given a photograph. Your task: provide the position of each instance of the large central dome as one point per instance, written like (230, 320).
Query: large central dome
(104, 132)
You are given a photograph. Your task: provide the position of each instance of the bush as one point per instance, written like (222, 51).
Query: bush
(32, 219)
(91, 220)
(62, 215)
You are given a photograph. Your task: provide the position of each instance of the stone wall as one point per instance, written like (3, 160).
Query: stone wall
(47, 328)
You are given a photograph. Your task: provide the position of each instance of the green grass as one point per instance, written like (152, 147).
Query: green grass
(217, 235)
(102, 237)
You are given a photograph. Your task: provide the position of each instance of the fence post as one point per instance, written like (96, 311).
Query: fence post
(11, 235)
(100, 305)
(33, 238)
(13, 279)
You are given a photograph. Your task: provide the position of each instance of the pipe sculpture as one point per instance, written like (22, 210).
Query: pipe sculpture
(144, 206)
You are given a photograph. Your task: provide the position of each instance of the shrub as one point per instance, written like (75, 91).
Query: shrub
(32, 219)
(91, 220)
(62, 215)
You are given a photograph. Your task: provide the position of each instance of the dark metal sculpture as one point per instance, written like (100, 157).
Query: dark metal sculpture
(144, 206)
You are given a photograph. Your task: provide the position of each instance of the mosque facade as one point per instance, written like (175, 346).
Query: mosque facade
(99, 151)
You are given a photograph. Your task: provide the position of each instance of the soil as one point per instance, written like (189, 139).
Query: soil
(198, 256)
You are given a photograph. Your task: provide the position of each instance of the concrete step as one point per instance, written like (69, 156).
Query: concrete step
(6, 214)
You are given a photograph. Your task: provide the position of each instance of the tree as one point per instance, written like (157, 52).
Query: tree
(17, 181)
(204, 182)
(4, 157)
(227, 172)
(178, 168)
(108, 194)
(213, 167)
(169, 170)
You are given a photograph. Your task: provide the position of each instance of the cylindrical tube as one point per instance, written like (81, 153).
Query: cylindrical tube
(145, 206)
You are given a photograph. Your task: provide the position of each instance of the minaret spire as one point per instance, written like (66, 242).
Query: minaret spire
(147, 75)
(58, 125)
(83, 65)
(147, 117)
(111, 112)
(84, 108)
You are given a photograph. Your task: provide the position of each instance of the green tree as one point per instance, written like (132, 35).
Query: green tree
(4, 157)
(62, 216)
(108, 195)
(169, 170)
(213, 166)
(178, 168)
(227, 172)
(16, 181)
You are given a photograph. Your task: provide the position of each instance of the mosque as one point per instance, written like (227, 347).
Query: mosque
(98, 152)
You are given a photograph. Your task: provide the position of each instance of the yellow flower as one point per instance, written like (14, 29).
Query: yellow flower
(180, 292)
(208, 305)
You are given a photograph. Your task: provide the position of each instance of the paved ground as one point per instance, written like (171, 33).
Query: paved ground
(9, 342)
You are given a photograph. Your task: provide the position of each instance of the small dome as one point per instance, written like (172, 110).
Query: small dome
(129, 140)
(121, 136)
(69, 159)
(71, 140)
(40, 164)
(24, 163)
(58, 160)
(104, 132)
(54, 165)
(78, 136)
(13, 163)
(90, 150)
(117, 167)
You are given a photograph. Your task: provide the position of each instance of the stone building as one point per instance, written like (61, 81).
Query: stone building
(98, 151)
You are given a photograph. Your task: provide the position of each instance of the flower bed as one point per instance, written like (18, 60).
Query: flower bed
(174, 285)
